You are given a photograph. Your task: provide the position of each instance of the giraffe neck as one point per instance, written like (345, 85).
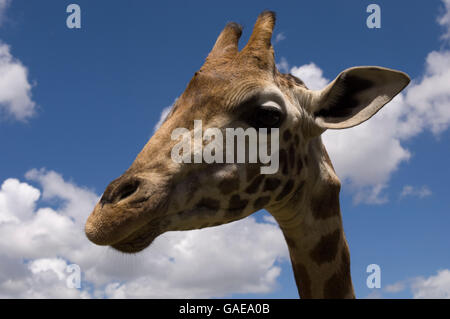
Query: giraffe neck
(312, 226)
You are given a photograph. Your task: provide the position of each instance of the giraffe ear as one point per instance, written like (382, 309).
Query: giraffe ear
(356, 95)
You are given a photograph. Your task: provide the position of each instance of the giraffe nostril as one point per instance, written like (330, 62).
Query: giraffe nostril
(127, 189)
(124, 190)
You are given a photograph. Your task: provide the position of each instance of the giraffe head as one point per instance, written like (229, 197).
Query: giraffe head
(233, 89)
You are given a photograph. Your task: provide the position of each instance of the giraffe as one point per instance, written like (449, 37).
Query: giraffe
(243, 88)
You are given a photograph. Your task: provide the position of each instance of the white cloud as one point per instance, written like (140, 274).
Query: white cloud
(4, 4)
(56, 265)
(214, 262)
(434, 287)
(46, 279)
(427, 101)
(283, 65)
(311, 74)
(420, 192)
(15, 90)
(38, 242)
(444, 19)
(370, 195)
(396, 287)
(77, 200)
(279, 37)
(164, 113)
(437, 286)
(19, 198)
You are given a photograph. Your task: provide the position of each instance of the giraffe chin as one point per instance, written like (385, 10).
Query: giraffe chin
(138, 240)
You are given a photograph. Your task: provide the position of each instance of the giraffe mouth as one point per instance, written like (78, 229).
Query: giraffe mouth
(140, 239)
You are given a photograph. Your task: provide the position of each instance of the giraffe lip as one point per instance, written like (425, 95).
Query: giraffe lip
(139, 239)
(132, 246)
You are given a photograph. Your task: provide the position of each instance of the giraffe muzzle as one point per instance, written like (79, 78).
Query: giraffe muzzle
(127, 204)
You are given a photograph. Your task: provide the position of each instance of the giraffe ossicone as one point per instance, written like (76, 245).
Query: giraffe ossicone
(232, 90)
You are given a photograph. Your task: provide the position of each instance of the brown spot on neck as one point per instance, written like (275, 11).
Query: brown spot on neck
(340, 284)
(302, 280)
(261, 202)
(237, 205)
(327, 248)
(289, 241)
(271, 184)
(254, 186)
(209, 203)
(252, 171)
(287, 188)
(325, 204)
(228, 185)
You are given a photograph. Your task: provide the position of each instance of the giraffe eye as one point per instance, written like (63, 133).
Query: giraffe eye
(266, 117)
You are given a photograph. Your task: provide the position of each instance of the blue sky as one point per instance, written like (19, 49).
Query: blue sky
(95, 94)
